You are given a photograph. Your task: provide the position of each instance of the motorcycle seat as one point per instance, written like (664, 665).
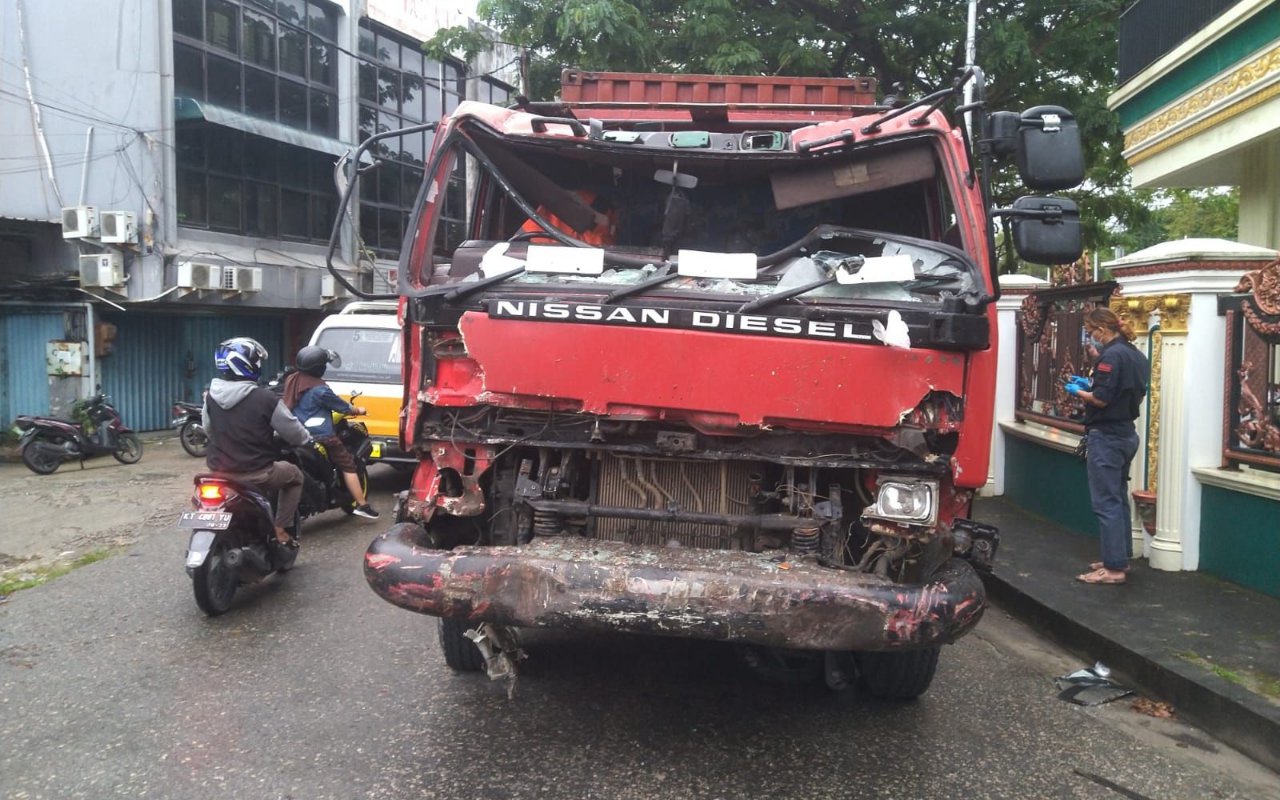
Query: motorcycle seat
(47, 418)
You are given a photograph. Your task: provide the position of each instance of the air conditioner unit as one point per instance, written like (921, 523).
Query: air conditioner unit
(199, 275)
(102, 269)
(242, 279)
(119, 227)
(79, 222)
(330, 289)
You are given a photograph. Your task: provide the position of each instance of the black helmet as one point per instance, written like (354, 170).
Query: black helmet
(312, 360)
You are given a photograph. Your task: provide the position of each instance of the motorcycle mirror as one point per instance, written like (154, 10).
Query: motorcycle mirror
(335, 359)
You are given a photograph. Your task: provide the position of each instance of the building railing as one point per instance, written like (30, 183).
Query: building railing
(1151, 28)
(1252, 428)
(1051, 348)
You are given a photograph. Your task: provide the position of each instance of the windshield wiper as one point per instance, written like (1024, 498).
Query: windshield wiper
(852, 264)
(467, 289)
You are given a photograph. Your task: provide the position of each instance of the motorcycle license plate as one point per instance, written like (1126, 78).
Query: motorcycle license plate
(376, 450)
(205, 520)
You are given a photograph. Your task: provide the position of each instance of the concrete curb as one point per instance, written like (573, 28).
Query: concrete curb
(1232, 714)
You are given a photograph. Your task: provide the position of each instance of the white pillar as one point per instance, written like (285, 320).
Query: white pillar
(1014, 288)
(1260, 195)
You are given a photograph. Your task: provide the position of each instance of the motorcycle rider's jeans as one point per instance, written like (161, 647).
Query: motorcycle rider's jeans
(283, 477)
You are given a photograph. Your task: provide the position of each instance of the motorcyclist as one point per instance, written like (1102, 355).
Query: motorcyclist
(239, 418)
(311, 399)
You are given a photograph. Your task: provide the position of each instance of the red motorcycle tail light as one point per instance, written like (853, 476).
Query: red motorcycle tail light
(211, 492)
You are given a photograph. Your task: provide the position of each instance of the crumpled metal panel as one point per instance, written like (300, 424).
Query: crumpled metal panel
(587, 584)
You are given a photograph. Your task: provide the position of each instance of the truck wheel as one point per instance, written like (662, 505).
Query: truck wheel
(902, 675)
(460, 653)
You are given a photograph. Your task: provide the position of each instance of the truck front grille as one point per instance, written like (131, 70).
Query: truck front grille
(713, 487)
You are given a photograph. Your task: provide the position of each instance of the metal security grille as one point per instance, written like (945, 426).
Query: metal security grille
(706, 487)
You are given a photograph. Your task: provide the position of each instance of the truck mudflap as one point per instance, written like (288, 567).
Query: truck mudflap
(730, 596)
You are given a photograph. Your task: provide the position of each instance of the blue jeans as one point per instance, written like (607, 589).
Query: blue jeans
(1111, 450)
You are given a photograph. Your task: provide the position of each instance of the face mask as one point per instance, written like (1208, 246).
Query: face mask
(1095, 341)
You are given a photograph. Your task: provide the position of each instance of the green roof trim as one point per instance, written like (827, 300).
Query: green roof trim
(1252, 36)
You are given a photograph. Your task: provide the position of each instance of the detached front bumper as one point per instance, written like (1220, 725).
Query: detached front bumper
(586, 584)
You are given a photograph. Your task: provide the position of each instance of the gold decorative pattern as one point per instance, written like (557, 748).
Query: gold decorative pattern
(1153, 412)
(1205, 124)
(1254, 72)
(1134, 311)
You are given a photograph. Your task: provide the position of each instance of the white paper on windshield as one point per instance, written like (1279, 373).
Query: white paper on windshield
(880, 269)
(565, 260)
(496, 261)
(701, 264)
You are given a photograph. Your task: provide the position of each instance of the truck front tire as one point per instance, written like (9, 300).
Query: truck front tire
(900, 675)
(460, 653)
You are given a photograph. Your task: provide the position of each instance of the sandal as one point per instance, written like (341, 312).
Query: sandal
(1100, 565)
(1101, 576)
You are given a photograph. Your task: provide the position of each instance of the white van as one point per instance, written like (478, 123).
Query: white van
(367, 336)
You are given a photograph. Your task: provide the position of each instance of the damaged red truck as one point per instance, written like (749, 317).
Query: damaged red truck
(711, 357)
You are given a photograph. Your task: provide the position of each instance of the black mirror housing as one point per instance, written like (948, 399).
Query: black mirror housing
(1046, 230)
(1002, 132)
(1049, 155)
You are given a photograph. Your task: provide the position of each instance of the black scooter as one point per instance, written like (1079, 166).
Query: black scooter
(187, 419)
(323, 487)
(233, 541)
(46, 442)
(232, 525)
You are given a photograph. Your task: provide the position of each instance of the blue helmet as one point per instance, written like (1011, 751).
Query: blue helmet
(240, 359)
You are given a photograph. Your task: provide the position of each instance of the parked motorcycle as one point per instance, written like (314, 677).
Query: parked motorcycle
(46, 442)
(323, 486)
(187, 419)
(233, 541)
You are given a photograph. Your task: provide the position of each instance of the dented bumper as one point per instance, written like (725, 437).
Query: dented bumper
(586, 584)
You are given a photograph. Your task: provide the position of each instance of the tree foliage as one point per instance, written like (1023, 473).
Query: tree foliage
(1034, 52)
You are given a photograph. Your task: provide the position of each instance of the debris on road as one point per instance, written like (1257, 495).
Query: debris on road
(1091, 686)
(1153, 708)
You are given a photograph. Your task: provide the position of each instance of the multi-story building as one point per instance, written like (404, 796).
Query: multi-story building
(167, 178)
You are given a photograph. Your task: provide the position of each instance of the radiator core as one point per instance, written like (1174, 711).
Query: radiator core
(711, 487)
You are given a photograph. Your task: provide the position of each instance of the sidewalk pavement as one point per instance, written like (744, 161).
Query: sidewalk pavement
(1209, 648)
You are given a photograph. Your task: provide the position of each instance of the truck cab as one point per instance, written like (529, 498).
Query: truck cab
(710, 357)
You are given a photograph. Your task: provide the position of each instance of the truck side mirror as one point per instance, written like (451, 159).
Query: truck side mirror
(1046, 230)
(1048, 151)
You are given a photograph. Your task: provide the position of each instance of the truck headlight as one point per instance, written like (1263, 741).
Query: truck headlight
(905, 500)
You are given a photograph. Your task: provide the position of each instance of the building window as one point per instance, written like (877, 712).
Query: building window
(495, 92)
(398, 87)
(239, 183)
(274, 59)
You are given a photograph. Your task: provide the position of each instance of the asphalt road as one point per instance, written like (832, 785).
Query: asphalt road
(113, 684)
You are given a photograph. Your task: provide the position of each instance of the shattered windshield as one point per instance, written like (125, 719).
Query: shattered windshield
(934, 273)
(874, 223)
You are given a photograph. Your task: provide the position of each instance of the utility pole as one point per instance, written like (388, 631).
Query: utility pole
(970, 58)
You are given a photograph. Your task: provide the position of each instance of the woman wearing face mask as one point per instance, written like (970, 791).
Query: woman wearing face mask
(1112, 402)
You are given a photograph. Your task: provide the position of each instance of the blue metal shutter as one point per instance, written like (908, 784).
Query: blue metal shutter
(24, 382)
